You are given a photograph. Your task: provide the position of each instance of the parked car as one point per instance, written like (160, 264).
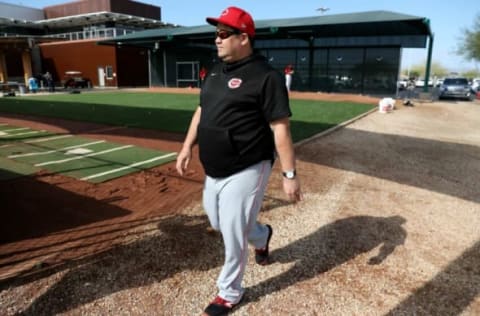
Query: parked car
(476, 84)
(421, 83)
(438, 82)
(456, 88)
(74, 79)
(402, 84)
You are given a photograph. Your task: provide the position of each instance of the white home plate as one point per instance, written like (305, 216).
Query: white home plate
(79, 151)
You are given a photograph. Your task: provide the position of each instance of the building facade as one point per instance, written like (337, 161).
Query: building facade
(63, 39)
(352, 53)
(122, 43)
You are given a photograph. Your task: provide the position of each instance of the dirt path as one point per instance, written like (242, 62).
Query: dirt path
(390, 225)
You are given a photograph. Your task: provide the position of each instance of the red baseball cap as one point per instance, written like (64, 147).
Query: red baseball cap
(236, 18)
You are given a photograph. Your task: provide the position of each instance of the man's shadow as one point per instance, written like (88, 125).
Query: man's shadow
(331, 246)
(182, 245)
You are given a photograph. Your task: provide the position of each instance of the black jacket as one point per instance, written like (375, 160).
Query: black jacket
(238, 102)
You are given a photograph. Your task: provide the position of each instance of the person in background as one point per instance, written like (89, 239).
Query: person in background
(32, 85)
(288, 76)
(410, 92)
(202, 75)
(242, 119)
(49, 79)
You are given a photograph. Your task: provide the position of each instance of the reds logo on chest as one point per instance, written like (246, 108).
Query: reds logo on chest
(234, 83)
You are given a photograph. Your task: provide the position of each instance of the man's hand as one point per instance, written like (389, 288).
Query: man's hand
(183, 160)
(291, 187)
(185, 155)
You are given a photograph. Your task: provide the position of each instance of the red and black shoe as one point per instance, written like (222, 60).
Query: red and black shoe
(220, 307)
(262, 255)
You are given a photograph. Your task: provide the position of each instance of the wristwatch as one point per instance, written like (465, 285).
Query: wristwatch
(290, 174)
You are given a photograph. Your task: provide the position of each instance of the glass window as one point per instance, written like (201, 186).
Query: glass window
(381, 70)
(382, 56)
(345, 69)
(109, 72)
(185, 71)
(279, 58)
(301, 76)
(320, 81)
(455, 81)
(346, 56)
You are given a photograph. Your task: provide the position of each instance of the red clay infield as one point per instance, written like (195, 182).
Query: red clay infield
(48, 220)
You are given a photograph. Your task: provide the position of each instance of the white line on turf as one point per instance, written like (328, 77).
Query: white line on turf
(127, 167)
(81, 157)
(54, 151)
(15, 129)
(40, 140)
(37, 140)
(21, 134)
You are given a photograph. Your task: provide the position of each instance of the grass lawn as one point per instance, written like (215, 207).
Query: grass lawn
(166, 112)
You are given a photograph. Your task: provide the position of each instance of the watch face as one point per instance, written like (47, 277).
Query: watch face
(289, 174)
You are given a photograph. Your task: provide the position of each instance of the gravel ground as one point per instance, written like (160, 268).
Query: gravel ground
(389, 226)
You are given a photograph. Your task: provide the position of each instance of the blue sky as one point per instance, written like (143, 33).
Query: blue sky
(448, 18)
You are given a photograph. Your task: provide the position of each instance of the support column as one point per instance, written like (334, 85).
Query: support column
(429, 57)
(311, 64)
(27, 65)
(3, 68)
(429, 63)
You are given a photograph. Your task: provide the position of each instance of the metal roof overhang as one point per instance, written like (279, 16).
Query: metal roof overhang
(372, 23)
(87, 19)
(16, 22)
(100, 17)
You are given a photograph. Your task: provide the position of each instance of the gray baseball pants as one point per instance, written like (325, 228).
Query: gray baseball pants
(232, 205)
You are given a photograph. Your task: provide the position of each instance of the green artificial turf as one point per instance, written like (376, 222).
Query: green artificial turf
(167, 111)
(93, 160)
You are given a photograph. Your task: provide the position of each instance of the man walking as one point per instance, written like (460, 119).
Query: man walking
(242, 120)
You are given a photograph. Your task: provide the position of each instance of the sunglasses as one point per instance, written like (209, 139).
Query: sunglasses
(224, 34)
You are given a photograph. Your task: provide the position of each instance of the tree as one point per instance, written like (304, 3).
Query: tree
(469, 43)
(471, 74)
(436, 70)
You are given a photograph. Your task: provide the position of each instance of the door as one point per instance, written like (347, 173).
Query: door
(101, 77)
(187, 74)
